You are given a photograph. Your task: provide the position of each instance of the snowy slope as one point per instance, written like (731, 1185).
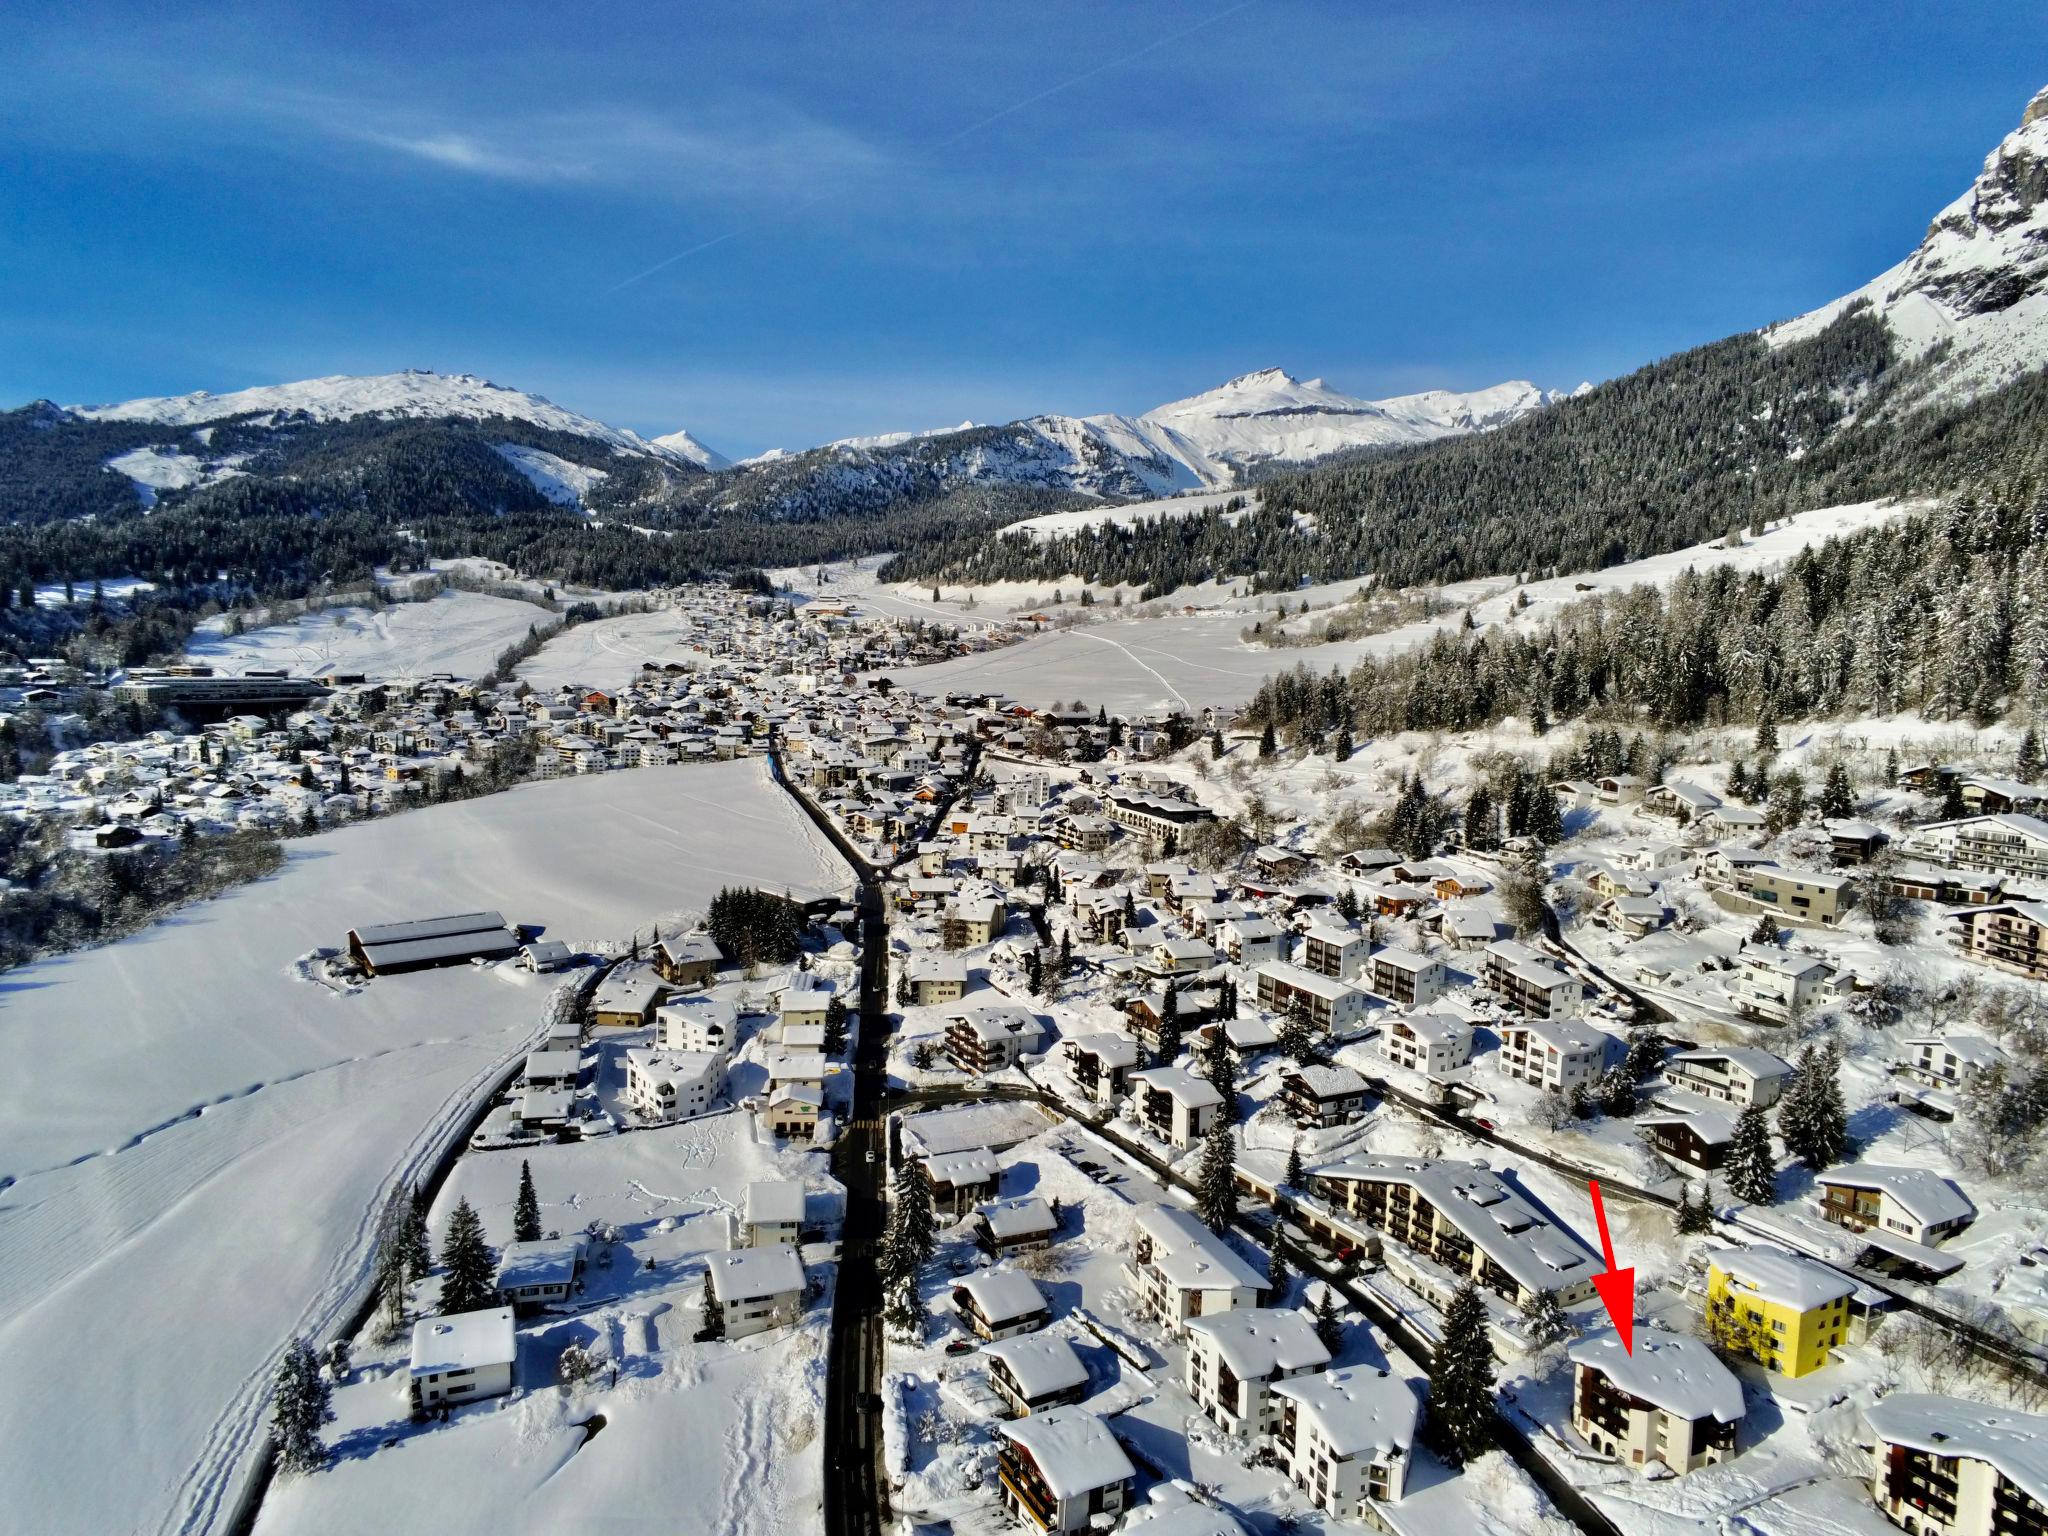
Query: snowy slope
(413, 393)
(563, 483)
(168, 468)
(1978, 280)
(682, 444)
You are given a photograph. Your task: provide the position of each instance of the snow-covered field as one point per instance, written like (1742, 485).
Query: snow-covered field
(195, 1140)
(723, 1436)
(607, 653)
(1126, 516)
(1174, 658)
(458, 632)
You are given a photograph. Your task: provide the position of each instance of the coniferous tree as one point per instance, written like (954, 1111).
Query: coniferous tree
(526, 1209)
(393, 1264)
(1461, 1381)
(1953, 807)
(1215, 744)
(1329, 1324)
(1169, 1023)
(2027, 764)
(1297, 1176)
(1813, 1122)
(1482, 829)
(468, 1270)
(1765, 930)
(1752, 1170)
(1297, 1036)
(1696, 1216)
(1837, 797)
(1767, 735)
(1219, 1068)
(1544, 1320)
(1278, 1276)
(714, 1310)
(299, 1405)
(1216, 1179)
(419, 1256)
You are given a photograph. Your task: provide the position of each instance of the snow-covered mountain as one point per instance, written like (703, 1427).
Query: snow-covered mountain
(683, 444)
(413, 393)
(1977, 282)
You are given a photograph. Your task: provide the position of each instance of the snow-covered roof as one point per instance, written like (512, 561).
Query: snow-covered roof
(1404, 960)
(1971, 1050)
(1173, 1511)
(1436, 1028)
(1187, 1089)
(539, 1261)
(1756, 1062)
(1073, 1449)
(1025, 1216)
(1039, 1363)
(1715, 1127)
(1923, 1194)
(1112, 1050)
(1316, 985)
(463, 1341)
(1359, 1411)
(2015, 1443)
(1192, 1257)
(1772, 1274)
(1328, 1082)
(1257, 1341)
(1565, 1036)
(975, 1165)
(773, 1201)
(1001, 1295)
(1671, 1371)
(748, 1274)
(551, 1064)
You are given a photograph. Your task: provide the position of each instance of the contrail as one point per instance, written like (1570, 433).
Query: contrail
(969, 131)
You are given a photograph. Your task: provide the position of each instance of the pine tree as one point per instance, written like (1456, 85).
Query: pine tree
(1216, 1180)
(912, 1235)
(1278, 1276)
(468, 1268)
(1544, 1320)
(1767, 734)
(299, 1406)
(1461, 1381)
(1297, 1176)
(1952, 806)
(1837, 797)
(2027, 765)
(1765, 932)
(1219, 1067)
(1215, 744)
(526, 1209)
(1169, 1024)
(1267, 745)
(1696, 1216)
(1066, 951)
(1812, 1119)
(1296, 1035)
(1752, 1170)
(1329, 1322)
(419, 1257)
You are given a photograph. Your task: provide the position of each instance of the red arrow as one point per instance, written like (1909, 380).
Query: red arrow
(1617, 1287)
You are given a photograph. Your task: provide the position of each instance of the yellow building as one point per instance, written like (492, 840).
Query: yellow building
(1784, 1312)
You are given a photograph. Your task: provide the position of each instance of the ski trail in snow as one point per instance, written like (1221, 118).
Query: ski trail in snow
(1140, 661)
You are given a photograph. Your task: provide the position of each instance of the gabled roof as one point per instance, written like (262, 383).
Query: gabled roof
(1671, 1371)
(463, 1341)
(1039, 1363)
(1257, 1341)
(1073, 1449)
(2015, 1443)
(1192, 1257)
(1003, 1295)
(1358, 1410)
(1922, 1193)
(1772, 1274)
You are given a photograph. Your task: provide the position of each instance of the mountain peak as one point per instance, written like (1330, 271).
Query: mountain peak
(2037, 108)
(1263, 378)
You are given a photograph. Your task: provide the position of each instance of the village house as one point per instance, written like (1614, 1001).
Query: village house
(1034, 1372)
(1741, 1075)
(1557, 1055)
(1251, 941)
(552, 1069)
(757, 1288)
(1179, 957)
(539, 1272)
(460, 1358)
(1944, 1061)
(1175, 1104)
(1431, 1043)
(697, 1024)
(791, 1113)
(1784, 1312)
(771, 1214)
(2011, 937)
(998, 1303)
(1669, 1400)
(1334, 949)
(1800, 895)
(673, 1085)
(937, 979)
(1529, 982)
(1949, 1467)
(1991, 795)
(960, 1181)
(627, 998)
(1181, 1270)
(992, 1038)
(1101, 1064)
(688, 959)
(1330, 1004)
(1776, 986)
(1699, 1137)
(2012, 845)
(1915, 1204)
(1406, 978)
(1322, 1095)
(1016, 1226)
(972, 920)
(1345, 1437)
(1234, 1359)
(1063, 1470)
(1466, 1219)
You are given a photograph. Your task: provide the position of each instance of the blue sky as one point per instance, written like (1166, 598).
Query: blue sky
(903, 215)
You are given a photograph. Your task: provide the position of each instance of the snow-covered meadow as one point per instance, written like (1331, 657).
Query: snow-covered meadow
(196, 1139)
(457, 632)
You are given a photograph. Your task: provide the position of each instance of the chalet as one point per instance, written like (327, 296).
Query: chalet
(1016, 1226)
(1397, 899)
(1062, 1471)
(1635, 916)
(1329, 1003)
(1987, 794)
(1698, 1137)
(1949, 1467)
(1915, 1204)
(1100, 1064)
(1668, 1400)
(1000, 1303)
(757, 1288)
(1175, 1104)
(1234, 1359)
(460, 1358)
(1280, 863)
(1467, 1220)
(688, 959)
(1740, 1075)
(1619, 788)
(2012, 937)
(1853, 841)
(992, 1038)
(1409, 979)
(1944, 1061)
(1557, 1055)
(771, 1214)
(792, 1113)
(1678, 801)
(1179, 957)
(544, 955)
(1432, 1043)
(539, 1273)
(1324, 1095)
(1181, 1270)
(1345, 1437)
(960, 1181)
(1034, 1372)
